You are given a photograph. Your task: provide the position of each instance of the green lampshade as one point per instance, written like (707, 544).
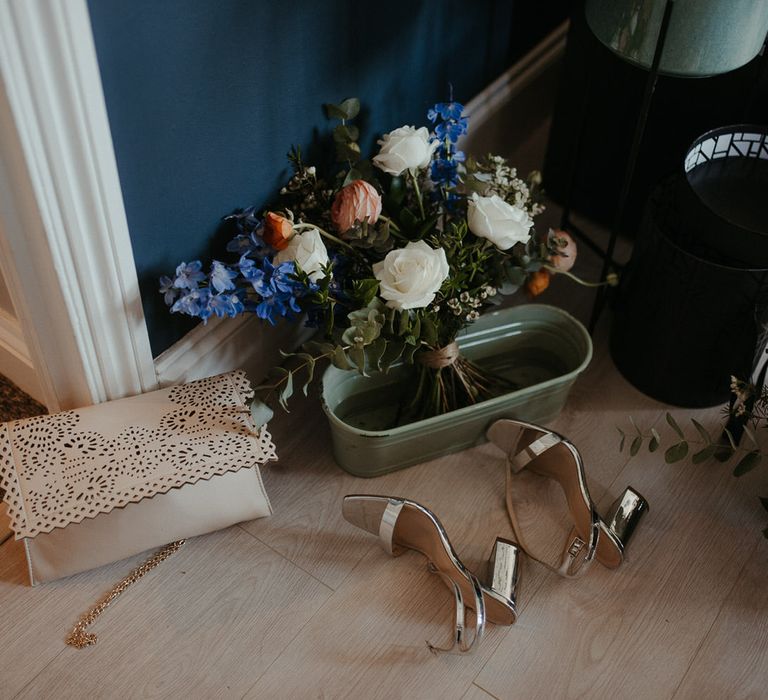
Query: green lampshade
(705, 37)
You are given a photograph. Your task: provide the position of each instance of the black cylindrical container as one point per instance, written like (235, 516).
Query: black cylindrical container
(685, 322)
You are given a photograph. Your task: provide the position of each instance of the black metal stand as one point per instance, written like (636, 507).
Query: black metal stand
(607, 254)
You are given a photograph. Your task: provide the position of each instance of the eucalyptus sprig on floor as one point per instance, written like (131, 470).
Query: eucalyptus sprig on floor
(746, 414)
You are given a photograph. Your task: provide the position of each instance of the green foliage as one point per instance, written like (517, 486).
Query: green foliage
(348, 109)
(722, 449)
(365, 327)
(345, 136)
(747, 463)
(676, 452)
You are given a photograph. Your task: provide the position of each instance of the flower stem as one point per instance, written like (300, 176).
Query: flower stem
(578, 280)
(391, 223)
(325, 234)
(418, 193)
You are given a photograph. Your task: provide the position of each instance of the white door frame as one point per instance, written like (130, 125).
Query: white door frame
(64, 245)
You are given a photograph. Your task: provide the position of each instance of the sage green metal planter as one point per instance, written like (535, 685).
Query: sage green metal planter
(541, 348)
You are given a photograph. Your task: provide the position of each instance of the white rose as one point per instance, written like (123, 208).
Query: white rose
(309, 252)
(410, 277)
(404, 149)
(501, 223)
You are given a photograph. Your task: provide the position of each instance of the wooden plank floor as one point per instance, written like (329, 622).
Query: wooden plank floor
(302, 605)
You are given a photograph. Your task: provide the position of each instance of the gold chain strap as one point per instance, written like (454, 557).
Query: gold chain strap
(79, 637)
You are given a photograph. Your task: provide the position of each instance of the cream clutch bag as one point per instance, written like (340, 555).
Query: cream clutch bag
(95, 485)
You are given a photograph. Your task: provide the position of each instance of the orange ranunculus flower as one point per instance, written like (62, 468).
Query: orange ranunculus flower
(277, 230)
(565, 257)
(358, 201)
(537, 283)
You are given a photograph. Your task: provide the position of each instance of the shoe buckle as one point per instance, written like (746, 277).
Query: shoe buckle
(575, 547)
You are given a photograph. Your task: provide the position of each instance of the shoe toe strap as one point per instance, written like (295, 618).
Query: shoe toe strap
(387, 527)
(533, 450)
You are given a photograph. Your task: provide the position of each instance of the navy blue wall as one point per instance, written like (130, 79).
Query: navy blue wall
(206, 96)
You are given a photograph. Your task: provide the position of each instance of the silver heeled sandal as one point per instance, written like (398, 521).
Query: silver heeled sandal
(540, 451)
(402, 524)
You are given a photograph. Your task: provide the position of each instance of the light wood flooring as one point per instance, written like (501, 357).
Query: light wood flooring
(303, 605)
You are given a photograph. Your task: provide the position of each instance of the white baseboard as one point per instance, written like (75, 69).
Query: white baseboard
(516, 78)
(226, 344)
(15, 361)
(245, 342)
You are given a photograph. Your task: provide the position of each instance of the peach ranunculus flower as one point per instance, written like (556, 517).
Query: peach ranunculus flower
(357, 201)
(278, 230)
(537, 283)
(565, 257)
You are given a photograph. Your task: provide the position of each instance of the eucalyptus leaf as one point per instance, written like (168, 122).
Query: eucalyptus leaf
(352, 175)
(416, 328)
(347, 151)
(350, 107)
(673, 424)
(339, 358)
(287, 391)
(634, 425)
(404, 324)
(703, 455)
(747, 463)
(676, 452)
(516, 276)
(335, 111)
(357, 355)
(396, 190)
(365, 290)
(702, 431)
(637, 443)
(261, 413)
(344, 133)
(374, 353)
(653, 444)
(623, 439)
(309, 366)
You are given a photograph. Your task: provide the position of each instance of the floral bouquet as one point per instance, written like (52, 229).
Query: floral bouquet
(389, 258)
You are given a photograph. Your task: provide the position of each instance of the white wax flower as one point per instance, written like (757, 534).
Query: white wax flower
(308, 251)
(501, 223)
(410, 277)
(406, 148)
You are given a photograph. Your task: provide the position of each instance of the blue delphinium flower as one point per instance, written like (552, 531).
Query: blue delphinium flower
(167, 289)
(228, 305)
(189, 275)
(451, 130)
(446, 111)
(221, 277)
(246, 220)
(250, 244)
(450, 124)
(194, 303)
